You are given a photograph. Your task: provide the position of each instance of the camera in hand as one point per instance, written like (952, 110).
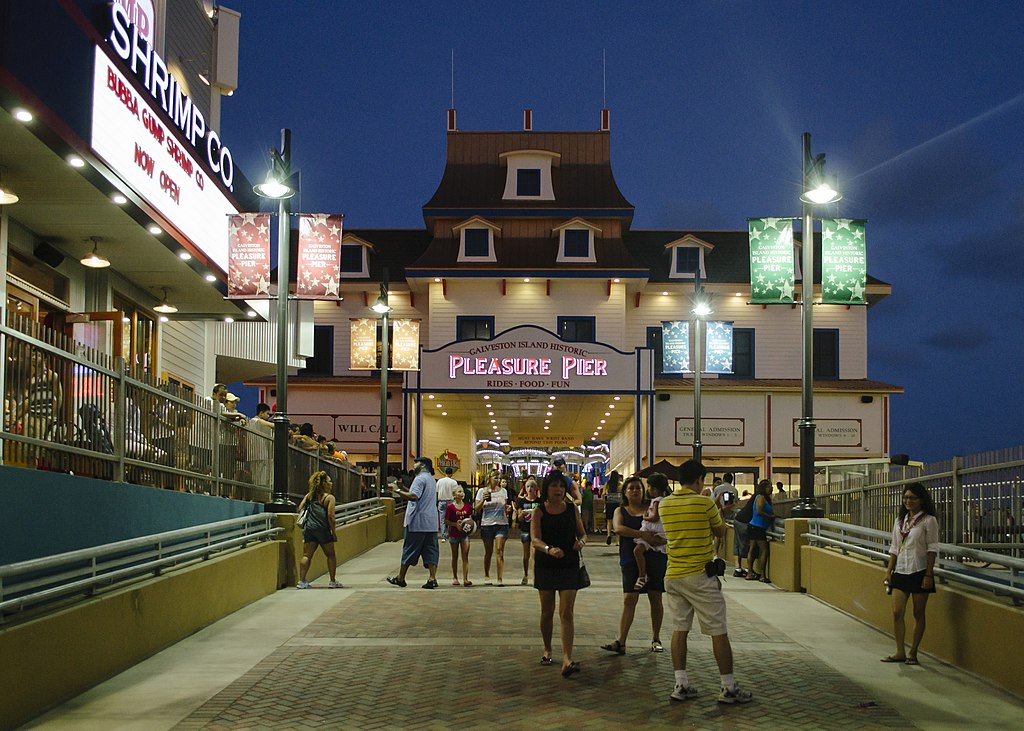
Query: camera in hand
(715, 567)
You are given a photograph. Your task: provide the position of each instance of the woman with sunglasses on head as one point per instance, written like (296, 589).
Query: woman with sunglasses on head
(911, 571)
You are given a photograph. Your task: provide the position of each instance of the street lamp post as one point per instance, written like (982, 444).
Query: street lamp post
(383, 309)
(816, 190)
(701, 309)
(278, 186)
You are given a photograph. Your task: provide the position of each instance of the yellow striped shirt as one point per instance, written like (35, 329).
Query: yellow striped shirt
(688, 519)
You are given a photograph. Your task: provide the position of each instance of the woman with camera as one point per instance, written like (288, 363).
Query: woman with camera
(911, 571)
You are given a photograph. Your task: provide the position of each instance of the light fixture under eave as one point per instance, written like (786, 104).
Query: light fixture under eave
(94, 260)
(165, 307)
(7, 196)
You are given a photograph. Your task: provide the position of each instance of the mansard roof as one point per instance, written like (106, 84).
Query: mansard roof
(526, 255)
(393, 248)
(474, 174)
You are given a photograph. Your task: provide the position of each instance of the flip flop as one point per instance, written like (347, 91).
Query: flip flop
(456, 583)
(573, 667)
(617, 647)
(467, 582)
(893, 658)
(912, 661)
(545, 660)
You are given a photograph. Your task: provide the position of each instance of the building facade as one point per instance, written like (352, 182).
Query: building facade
(540, 313)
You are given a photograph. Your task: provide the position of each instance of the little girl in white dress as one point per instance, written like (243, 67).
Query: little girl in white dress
(652, 523)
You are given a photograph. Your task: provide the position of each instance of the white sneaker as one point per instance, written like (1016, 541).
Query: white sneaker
(335, 585)
(683, 693)
(303, 585)
(736, 695)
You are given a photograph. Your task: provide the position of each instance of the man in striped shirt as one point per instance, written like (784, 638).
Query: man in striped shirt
(691, 522)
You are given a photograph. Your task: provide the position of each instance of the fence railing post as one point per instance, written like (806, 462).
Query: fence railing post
(120, 431)
(957, 500)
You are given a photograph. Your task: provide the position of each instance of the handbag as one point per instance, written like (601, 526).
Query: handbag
(583, 577)
(303, 515)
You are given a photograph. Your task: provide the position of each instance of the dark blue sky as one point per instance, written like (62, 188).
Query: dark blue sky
(918, 105)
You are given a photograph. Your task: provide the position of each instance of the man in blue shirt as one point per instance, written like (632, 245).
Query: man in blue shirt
(420, 524)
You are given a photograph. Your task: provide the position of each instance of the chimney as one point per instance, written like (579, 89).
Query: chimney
(527, 120)
(451, 121)
(606, 122)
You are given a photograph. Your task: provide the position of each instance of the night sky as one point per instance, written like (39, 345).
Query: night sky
(918, 105)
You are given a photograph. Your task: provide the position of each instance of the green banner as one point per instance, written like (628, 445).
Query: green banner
(843, 261)
(771, 260)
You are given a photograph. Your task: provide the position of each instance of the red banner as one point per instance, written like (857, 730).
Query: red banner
(319, 268)
(249, 256)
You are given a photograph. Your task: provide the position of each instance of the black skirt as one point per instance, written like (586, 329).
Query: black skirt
(911, 583)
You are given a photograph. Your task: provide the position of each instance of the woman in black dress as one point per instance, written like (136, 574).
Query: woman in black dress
(556, 532)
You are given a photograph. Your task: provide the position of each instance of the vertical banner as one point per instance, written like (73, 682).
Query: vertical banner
(675, 346)
(363, 344)
(319, 269)
(771, 260)
(844, 269)
(718, 357)
(405, 345)
(249, 256)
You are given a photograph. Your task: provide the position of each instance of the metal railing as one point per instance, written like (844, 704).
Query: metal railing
(83, 572)
(73, 409)
(977, 499)
(954, 563)
(351, 512)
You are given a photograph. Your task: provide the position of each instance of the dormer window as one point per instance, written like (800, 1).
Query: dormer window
(687, 257)
(576, 241)
(476, 240)
(529, 174)
(528, 182)
(354, 257)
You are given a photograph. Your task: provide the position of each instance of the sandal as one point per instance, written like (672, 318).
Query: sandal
(573, 667)
(640, 583)
(912, 661)
(467, 582)
(753, 576)
(545, 660)
(893, 658)
(456, 583)
(524, 582)
(617, 647)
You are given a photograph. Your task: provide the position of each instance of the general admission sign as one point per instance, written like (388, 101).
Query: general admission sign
(529, 358)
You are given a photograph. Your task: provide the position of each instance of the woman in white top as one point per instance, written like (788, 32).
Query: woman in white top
(911, 572)
(492, 500)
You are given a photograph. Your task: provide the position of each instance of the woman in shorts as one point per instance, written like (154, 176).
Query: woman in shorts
(319, 529)
(455, 513)
(525, 506)
(492, 500)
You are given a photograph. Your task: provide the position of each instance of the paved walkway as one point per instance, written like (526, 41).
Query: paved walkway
(372, 656)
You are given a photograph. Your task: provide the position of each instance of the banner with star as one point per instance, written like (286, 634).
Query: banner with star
(771, 261)
(319, 268)
(675, 346)
(363, 351)
(249, 256)
(844, 269)
(718, 358)
(405, 345)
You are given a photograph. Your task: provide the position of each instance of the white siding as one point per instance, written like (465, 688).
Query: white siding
(183, 354)
(622, 446)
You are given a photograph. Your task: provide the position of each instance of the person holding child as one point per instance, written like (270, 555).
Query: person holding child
(628, 524)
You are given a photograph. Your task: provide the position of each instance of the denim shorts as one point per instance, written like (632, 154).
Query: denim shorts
(490, 532)
(457, 541)
(420, 544)
(524, 535)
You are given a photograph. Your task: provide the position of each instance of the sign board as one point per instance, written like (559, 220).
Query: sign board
(529, 358)
(716, 432)
(137, 143)
(833, 432)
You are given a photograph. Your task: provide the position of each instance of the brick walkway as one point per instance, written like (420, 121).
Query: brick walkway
(463, 658)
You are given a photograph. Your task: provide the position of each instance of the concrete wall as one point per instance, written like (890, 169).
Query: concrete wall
(968, 629)
(53, 658)
(93, 512)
